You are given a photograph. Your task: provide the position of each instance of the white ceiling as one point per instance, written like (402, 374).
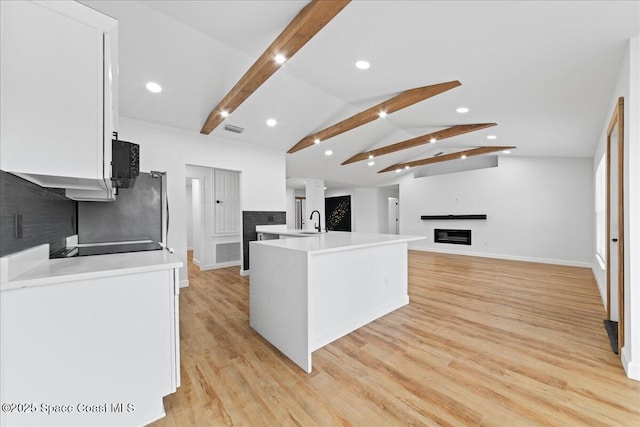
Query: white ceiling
(543, 70)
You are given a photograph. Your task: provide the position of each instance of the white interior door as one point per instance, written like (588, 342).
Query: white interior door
(227, 200)
(393, 215)
(225, 238)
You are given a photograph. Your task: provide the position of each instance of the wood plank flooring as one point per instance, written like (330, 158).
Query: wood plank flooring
(483, 342)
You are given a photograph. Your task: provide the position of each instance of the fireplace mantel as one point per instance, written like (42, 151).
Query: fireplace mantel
(435, 217)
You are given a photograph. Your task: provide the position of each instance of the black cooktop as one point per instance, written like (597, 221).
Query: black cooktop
(115, 248)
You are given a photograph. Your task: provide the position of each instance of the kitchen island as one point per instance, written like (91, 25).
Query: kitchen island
(88, 340)
(307, 292)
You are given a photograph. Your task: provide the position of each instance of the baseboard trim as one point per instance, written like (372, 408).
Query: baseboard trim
(221, 265)
(184, 283)
(567, 263)
(244, 272)
(631, 369)
(196, 261)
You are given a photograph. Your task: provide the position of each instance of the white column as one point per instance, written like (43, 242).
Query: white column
(314, 192)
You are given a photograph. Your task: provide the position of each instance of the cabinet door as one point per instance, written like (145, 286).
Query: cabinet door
(52, 95)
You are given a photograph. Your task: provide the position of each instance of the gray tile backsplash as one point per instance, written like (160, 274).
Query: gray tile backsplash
(31, 215)
(249, 221)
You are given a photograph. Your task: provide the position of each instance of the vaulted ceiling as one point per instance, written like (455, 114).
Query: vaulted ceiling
(543, 71)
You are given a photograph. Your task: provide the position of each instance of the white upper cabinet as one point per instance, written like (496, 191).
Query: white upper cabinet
(58, 69)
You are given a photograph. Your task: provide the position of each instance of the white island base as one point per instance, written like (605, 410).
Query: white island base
(306, 293)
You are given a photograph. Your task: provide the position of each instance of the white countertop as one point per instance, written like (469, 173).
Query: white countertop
(282, 230)
(334, 241)
(62, 270)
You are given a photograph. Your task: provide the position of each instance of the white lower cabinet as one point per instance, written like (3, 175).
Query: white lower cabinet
(98, 352)
(58, 63)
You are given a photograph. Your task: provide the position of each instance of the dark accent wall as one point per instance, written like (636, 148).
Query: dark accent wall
(249, 221)
(338, 211)
(31, 215)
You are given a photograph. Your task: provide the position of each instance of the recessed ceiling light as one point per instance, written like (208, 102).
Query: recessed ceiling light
(280, 59)
(492, 137)
(406, 167)
(463, 156)
(506, 151)
(316, 141)
(271, 122)
(224, 113)
(432, 140)
(362, 64)
(382, 114)
(371, 163)
(328, 153)
(154, 87)
(462, 110)
(398, 170)
(325, 188)
(370, 156)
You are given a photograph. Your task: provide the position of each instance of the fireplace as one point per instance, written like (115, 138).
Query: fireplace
(456, 237)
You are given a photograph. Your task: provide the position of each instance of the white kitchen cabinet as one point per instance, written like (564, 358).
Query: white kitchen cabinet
(58, 81)
(96, 334)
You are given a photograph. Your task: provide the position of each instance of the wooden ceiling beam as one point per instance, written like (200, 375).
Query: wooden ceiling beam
(311, 19)
(405, 99)
(445, 157)
(419, 140)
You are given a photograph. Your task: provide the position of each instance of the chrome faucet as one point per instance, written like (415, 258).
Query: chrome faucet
(317, 226)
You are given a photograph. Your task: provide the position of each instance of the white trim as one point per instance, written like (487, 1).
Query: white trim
(184, 283)
(568, 263)
(599, 276)
(244, 272)
(632, 369)
(220, 265)
(196, 261)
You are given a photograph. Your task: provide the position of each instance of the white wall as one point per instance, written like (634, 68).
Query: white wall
(314, 193)
(622, 89)
(539, 209)
(627, 86)
(170, 149)
(369, 213)
(189, 213)
(365, 208)
(631, 350)
(291, 208)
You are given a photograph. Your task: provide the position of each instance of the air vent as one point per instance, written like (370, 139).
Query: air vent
(232, 128)
(438, 154)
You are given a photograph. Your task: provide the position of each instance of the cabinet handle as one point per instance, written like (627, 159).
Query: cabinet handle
(614, 240)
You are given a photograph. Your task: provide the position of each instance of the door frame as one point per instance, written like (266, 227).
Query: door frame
(617, 119)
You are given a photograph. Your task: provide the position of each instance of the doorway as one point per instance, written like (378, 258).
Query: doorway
(615, 227)
(394, 212)
(301, 212)
(216, 217)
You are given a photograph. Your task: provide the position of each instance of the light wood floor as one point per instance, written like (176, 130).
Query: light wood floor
(483, 342)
